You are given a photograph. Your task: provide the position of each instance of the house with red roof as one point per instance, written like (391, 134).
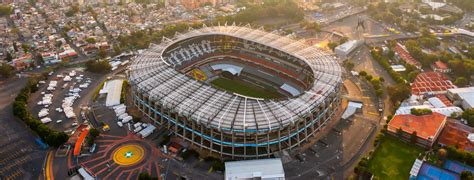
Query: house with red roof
(440, 66)
(22, 62)
(427, 127)
(431, 83)
(457, 134)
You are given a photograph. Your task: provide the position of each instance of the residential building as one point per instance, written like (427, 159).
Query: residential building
(457, 134)
(427, 127)
(440, 66)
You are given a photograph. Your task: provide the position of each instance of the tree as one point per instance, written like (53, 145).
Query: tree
(25, 47)
(412, 75)
(90, 40)
(362, 73)
(5, 10)
(6, 70)
(399, 132)
(399, 92)
(468, 115)
(332, 45)
(461, 82)
(97, 66)
(102, 53)
(368, 77)
(8, 57)
(379, 92)
(343, 40)
(349, 65)
(466, 175)
(419, 112)
(413, 137)
(94, 132)
(56, 139)
(40, 58)
(145, 176)
(117, 50)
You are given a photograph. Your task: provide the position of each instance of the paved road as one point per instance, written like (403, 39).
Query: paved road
(21, 156)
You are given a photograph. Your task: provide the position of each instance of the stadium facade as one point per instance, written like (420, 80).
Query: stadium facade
(169, 85)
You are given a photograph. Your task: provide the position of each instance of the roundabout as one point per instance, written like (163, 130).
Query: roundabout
(127, 155)
(123, 157)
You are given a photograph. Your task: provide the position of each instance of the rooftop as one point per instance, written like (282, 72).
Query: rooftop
(431, 82)
(261, 169)
(455, 134)
(440, 65)
(405, 55)
(203, 103)
(426, 126)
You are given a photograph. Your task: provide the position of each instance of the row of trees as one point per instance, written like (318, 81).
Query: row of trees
(460, 155)
(419, 112)
(20, 110)
(401, 90)
(374, 81)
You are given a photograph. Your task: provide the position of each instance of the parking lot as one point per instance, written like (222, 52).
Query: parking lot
(21, 156)
(60, 103)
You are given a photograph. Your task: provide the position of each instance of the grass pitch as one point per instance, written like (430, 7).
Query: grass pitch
(393, 159)
(245, 89)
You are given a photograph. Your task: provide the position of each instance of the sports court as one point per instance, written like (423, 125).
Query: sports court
(429, 172)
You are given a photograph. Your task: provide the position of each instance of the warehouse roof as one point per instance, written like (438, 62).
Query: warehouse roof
(259, 169)
(431, 82)
(114, 90)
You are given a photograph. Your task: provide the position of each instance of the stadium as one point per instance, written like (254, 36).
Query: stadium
(239, 92)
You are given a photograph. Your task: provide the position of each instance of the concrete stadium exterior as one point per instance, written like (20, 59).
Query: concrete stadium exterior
(227, 123)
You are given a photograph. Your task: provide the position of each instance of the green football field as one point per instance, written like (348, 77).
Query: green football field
(393, 159)
(245, 89)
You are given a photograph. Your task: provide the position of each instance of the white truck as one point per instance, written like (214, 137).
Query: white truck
(138, 124)
(123, 115)
(46, 120)
(118, 106)
(147, 131)
(127, 119)
(120, 111)
(138, 129)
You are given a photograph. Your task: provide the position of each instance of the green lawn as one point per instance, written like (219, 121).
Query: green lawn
(245, 88)
(393, 159)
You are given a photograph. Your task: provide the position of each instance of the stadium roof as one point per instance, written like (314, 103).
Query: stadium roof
(156, 78)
